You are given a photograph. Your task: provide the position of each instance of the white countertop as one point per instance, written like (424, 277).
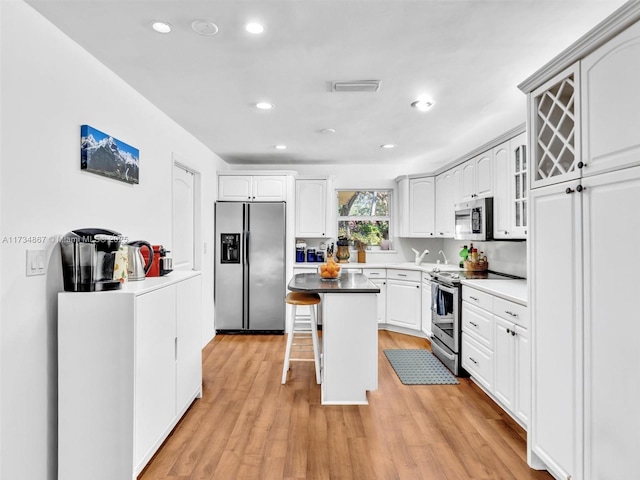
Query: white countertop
(512, 290)
(147, 285)
(423, 267)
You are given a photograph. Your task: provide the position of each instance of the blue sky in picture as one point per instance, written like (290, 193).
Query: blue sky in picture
(98, 136)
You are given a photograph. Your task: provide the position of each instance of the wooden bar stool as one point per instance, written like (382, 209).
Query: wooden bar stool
(303, 329)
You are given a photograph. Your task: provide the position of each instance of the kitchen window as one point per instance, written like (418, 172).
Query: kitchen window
(364, 216)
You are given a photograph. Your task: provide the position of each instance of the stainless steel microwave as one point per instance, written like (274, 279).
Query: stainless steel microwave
(474, 220)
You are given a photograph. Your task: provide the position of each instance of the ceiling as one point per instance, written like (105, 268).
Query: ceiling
(468, 56)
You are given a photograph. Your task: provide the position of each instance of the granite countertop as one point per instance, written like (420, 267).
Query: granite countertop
(512, 290)
(347, 282)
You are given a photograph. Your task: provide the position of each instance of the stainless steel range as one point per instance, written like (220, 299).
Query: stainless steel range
(446, 308)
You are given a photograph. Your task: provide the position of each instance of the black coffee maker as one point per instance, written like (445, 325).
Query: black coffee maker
(88, 258)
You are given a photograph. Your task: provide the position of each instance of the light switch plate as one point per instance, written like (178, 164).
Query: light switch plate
(36, 262)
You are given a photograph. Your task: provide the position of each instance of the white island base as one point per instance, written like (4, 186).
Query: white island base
(349, 348)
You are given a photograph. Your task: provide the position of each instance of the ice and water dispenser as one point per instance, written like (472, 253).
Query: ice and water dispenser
(229, 248)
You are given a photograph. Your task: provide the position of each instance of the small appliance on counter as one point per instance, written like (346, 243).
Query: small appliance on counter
(138, 267)
(88, 260)
(160, 264)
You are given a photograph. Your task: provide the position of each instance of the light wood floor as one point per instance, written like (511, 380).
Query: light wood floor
(249, 426)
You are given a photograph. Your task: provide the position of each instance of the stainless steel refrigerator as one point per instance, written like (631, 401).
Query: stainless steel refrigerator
(250, 287)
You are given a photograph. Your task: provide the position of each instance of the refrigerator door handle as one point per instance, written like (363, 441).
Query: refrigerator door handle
(247, 241)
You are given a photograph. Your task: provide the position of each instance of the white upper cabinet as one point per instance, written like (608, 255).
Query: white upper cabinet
(235, 188)
(555, 136)
(402, 201)
(518, 156)
(252, 188)
(444, 204)
(502, 193)
(456, 184)
(416, 207)
(510, 189)
(313, 212)
(586, 118)
(477, 177)
(422, 207)
(468, 179)
(611, 104)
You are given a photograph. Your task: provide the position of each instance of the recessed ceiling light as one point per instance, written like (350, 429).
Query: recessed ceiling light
(388, 145)
(423, 104)
(204, 27)
(254, 27)
(328, 131)
(264, 105)
(161, 27)
(280, 147)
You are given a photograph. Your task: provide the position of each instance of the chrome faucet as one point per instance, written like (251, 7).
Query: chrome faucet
(446, 262)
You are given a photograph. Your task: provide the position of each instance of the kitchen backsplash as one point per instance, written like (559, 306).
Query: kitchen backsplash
(505, 257)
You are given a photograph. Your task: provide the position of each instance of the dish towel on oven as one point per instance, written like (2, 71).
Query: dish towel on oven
(440, 303)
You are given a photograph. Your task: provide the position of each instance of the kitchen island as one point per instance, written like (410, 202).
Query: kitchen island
(349, 365)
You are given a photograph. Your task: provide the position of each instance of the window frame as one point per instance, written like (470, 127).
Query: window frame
(366, 218)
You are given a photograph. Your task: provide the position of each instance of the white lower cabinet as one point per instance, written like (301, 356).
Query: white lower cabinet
(404, 299)
(477, 360)
(495, 349)
(512, 363)
(378, 277)
(382, 299)
(129, 365)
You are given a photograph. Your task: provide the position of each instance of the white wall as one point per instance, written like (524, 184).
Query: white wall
(49, 87)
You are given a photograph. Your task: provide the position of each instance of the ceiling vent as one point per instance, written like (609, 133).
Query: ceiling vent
(370, 86)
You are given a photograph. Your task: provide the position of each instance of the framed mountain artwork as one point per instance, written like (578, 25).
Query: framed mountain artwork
(102, 154)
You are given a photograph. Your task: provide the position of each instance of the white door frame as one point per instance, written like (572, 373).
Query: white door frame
(197, 209)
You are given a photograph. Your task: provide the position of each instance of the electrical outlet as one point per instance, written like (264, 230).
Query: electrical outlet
(36, 262)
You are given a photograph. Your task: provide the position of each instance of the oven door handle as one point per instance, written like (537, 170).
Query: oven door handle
(441, 350)
(447, 289)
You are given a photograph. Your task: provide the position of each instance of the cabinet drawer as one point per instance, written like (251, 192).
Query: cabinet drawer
(478, 323)
(477, 298)
(375, 272)
(477, 360)
(514, 312)
(412, 275)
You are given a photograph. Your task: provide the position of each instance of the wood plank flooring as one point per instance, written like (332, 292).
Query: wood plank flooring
(248, 426)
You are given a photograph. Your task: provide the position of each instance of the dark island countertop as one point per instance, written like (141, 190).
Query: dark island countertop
(346, 283)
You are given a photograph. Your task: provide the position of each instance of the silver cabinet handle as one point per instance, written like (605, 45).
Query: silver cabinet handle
(374, 273)
(474, 324)
(511, 313)
(402, 274)
(474, 298)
